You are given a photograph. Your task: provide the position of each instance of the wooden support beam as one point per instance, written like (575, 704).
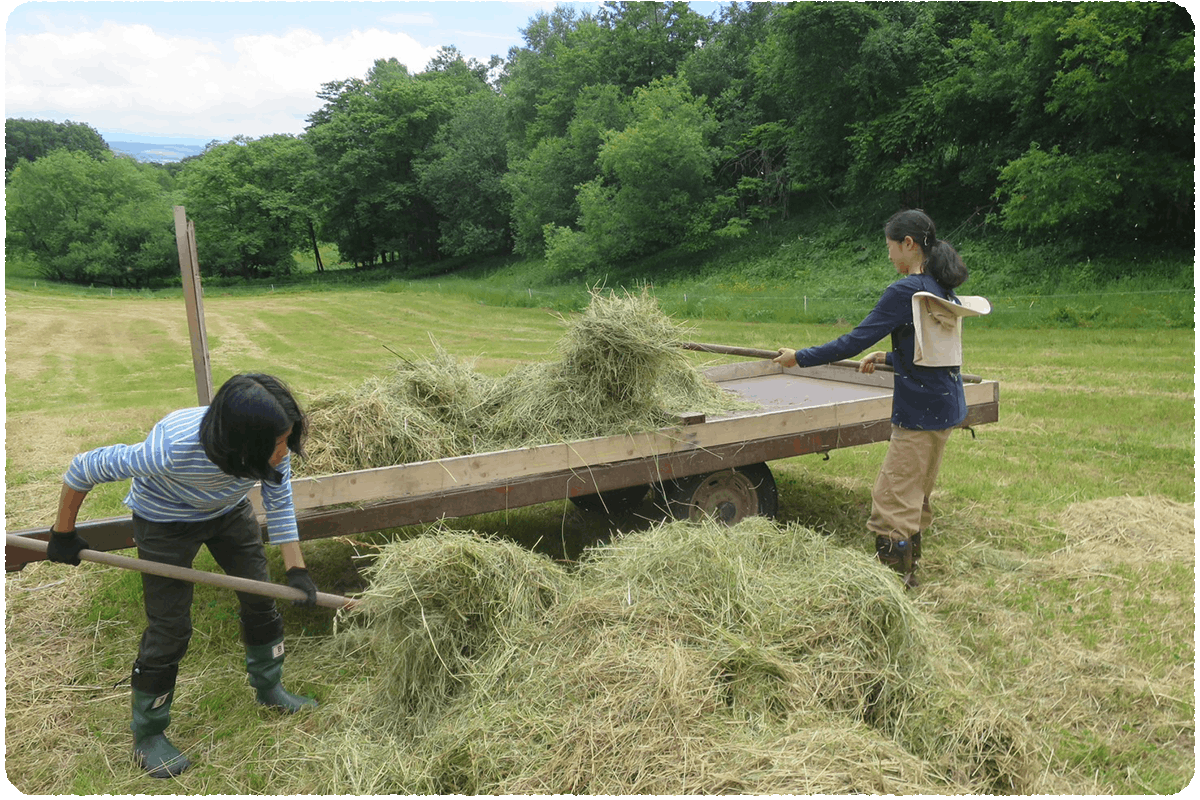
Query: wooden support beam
(193, 298)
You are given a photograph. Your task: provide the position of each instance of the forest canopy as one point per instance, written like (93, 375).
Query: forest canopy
(646, 126)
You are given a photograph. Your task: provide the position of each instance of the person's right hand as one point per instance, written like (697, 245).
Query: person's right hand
(64, 547)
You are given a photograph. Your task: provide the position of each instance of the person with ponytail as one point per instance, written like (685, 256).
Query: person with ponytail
(927, 402)
(188, 488)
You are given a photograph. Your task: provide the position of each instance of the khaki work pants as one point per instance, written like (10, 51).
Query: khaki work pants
(900, 499)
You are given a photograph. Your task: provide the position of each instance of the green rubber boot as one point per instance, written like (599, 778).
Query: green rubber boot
(153, 691)
(264, 665)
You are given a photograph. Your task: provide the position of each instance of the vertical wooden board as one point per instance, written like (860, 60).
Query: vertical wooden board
(189, 270)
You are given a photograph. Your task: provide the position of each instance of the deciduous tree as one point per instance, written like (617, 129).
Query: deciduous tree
(91, 220)
(30, 139)
(655, 174)
(244, 196)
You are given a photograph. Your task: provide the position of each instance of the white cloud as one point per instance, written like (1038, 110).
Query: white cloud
(131, 78)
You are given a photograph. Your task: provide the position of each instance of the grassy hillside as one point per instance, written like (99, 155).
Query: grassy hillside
(816, 267)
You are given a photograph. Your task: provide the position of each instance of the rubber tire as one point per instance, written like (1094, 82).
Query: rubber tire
(729, 495)
(612, 501)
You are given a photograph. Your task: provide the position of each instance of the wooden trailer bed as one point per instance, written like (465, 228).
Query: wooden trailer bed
(715, 465)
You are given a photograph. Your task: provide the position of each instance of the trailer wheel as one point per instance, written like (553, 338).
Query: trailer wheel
(612, 501)
(728, 495)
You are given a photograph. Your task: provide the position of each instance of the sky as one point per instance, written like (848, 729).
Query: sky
(188, 72)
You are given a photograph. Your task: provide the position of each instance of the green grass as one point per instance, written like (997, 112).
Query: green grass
(815, 267)
(1089, 410)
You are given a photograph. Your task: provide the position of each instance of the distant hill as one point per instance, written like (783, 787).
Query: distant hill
(158, 153)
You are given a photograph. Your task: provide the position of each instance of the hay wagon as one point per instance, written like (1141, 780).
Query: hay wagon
(716, 465)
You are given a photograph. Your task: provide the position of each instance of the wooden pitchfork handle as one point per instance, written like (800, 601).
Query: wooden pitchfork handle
(263, 588)
(751, 352)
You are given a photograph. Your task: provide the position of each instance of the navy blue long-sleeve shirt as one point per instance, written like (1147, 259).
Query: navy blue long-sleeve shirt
(924, 398)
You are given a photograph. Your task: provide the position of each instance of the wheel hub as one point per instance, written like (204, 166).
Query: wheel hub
(728, 496)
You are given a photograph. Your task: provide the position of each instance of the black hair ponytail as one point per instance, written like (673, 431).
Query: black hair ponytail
(945, 265)
(942, 261)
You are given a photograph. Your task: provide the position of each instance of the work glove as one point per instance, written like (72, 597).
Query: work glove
(786, 357)
(297, 578)
(64, 547)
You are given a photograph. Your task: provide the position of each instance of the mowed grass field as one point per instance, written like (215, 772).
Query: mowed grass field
(1062, 557)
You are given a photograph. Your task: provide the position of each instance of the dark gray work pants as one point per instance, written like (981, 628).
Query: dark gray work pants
(235, 541)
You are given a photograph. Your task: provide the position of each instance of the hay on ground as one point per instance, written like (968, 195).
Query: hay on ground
(1083, 634)
(1131, 528)
(686, 659)
(437, 603)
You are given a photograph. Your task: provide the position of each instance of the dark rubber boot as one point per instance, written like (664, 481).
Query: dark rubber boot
(153, 691)
(897, 553)
(264, 665)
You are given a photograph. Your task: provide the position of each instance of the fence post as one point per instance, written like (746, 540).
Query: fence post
(193, 298)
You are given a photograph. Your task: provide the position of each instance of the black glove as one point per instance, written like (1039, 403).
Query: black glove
(64, 547)
(297, 578)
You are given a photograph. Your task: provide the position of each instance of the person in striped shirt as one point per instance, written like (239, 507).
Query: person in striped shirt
(188, 487)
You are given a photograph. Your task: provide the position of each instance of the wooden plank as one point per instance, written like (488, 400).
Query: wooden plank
(722, 373)
(451, 474)
(464, 472)
(193, 299)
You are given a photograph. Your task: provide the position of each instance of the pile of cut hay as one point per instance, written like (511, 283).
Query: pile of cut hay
(685, 659)
(619, 369)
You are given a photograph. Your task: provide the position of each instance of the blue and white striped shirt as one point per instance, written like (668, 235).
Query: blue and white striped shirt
(174, 481)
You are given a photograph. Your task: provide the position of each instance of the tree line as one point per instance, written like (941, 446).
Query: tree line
(612, 135)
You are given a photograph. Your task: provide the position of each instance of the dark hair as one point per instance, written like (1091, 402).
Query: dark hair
(249, 413)
(941, 260)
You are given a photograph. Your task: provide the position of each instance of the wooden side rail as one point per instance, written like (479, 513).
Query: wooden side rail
(116, 533)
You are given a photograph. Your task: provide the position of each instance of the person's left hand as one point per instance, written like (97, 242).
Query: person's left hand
(867, 365)
(298, 578)
(786, 357)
